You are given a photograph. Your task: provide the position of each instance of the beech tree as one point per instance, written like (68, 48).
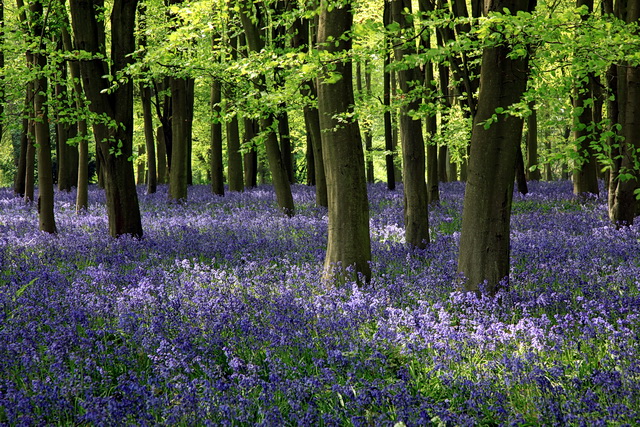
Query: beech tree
(496, 136)
(416, 217)
(349, 242)
(112, 106)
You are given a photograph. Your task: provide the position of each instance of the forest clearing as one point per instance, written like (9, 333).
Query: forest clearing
(219, 316)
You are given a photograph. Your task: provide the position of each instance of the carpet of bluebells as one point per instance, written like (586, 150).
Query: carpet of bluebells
(218, 316)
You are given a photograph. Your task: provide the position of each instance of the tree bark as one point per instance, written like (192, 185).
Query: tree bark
(217, 166)
(348, 241)
(42, 134)
(416, 216)
(485, 238)
(181, 124)
(250, 159)
(114, 143)
(21, 169)
(532, 145)
(521, 176)
(312, 123)
(234, 162)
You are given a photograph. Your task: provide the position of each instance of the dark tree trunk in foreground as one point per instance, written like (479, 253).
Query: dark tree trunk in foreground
(348, 242)
(625, 205)
(114, 143)
(416, 216)
(485, 239)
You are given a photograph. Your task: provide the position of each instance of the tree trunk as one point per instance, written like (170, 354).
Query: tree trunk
(286, 148)
(21, 169)
(250, 160)
(281, 184)
(532, 145)
(141, 165)
(386, 97)
(82, 183)
(162, 155)
(152, 172)
(624, 208)
(114, 143)
(348, 241)
(30, 175)
(234, 164)
(521, 176)
(416, 216)
(585, 175)
(485, 238)
(67, 154)
(42, 134)
(181, 124)
(312, 123)
(217, 166)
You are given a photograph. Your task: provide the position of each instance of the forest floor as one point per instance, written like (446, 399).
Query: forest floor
(218, 316)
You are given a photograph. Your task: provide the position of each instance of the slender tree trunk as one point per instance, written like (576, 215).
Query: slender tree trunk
(162, 156)
(532, 145)
(141, 165)
(585, 176)
(312, 122)
(30, 173)
(348, 241)
(42, 134)
(152, 172)
(21, 169)
(521, 176)
(286, 148)
(114, 143)
(485, 235)
(255, 42)
(388, 125)
(250, 160)
(217, 166)
(416, 216)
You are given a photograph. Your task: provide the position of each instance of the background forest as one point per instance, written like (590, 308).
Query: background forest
(467, 171)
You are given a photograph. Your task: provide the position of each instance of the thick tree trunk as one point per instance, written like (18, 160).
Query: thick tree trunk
(416, 216)
(485, 235)
(114, 143)
(216, 163)
(625, 204)
(181, 124)
(349, 241)
(234, 163)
